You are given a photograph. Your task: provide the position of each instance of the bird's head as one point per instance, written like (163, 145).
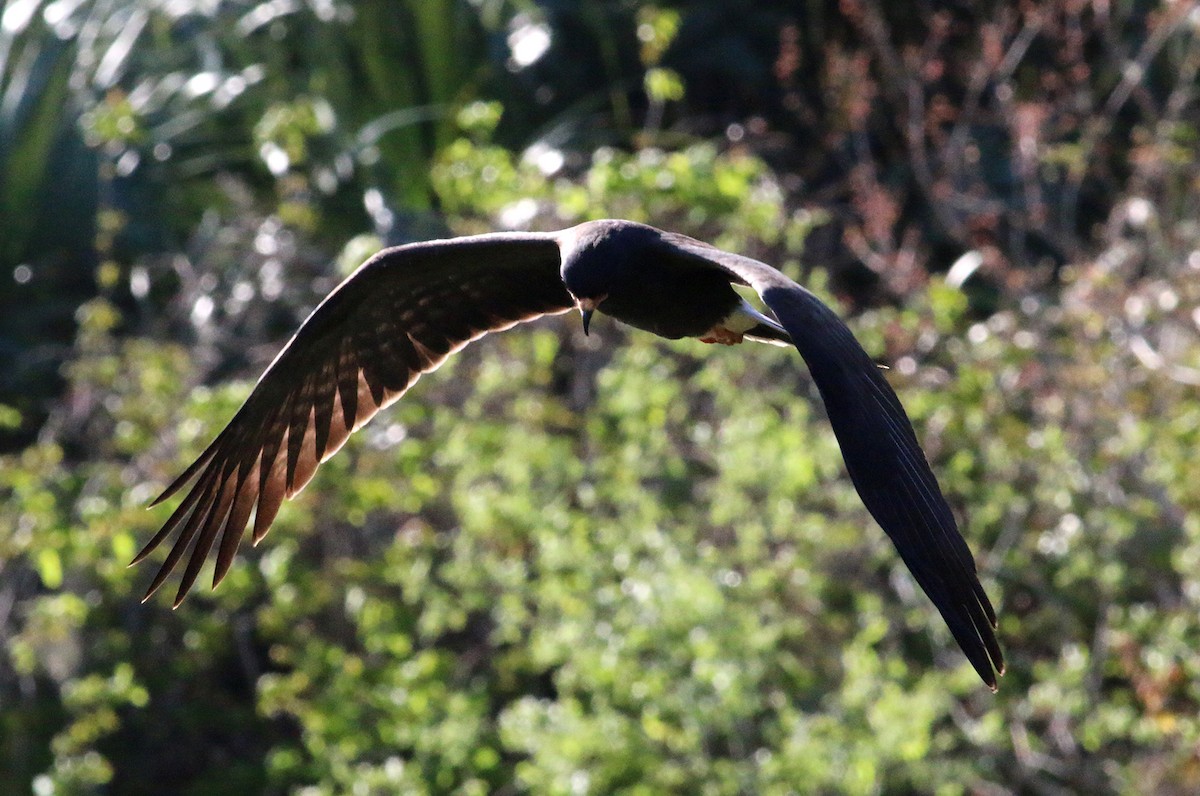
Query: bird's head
(598, 258)
(588, 267)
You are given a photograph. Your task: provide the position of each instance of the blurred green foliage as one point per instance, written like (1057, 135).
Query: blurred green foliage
(569, 564)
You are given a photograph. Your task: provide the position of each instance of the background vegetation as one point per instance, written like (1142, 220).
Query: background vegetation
(606, 564)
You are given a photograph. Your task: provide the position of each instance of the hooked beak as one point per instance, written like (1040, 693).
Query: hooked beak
(586, 308)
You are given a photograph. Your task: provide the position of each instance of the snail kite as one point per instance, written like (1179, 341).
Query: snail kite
(408, 308)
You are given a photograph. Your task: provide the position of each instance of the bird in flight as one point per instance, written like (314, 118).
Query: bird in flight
(404, 311)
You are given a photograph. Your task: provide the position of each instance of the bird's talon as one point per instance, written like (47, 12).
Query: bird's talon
(721, 335)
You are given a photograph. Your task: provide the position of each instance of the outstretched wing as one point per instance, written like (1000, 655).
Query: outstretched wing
(398, 316)
(880, 449)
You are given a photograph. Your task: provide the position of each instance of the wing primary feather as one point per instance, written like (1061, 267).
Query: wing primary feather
(271, 490)
(324, 390)
(922, 537)
(208, 531)
(185, 534)
(301, 421)
(347, 379)
(960, 609)
(306, 466)
(339, 432)
(917, 467)
(235, 525)
(943, 524)
(393, 370)
(193, 469)
(181, 512)
(274, 431)
(374, 379)
(961, 617)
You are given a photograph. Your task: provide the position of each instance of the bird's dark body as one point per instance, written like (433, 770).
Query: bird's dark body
(697, 301)
(408, 308)
(644, 282)
(669, 300)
